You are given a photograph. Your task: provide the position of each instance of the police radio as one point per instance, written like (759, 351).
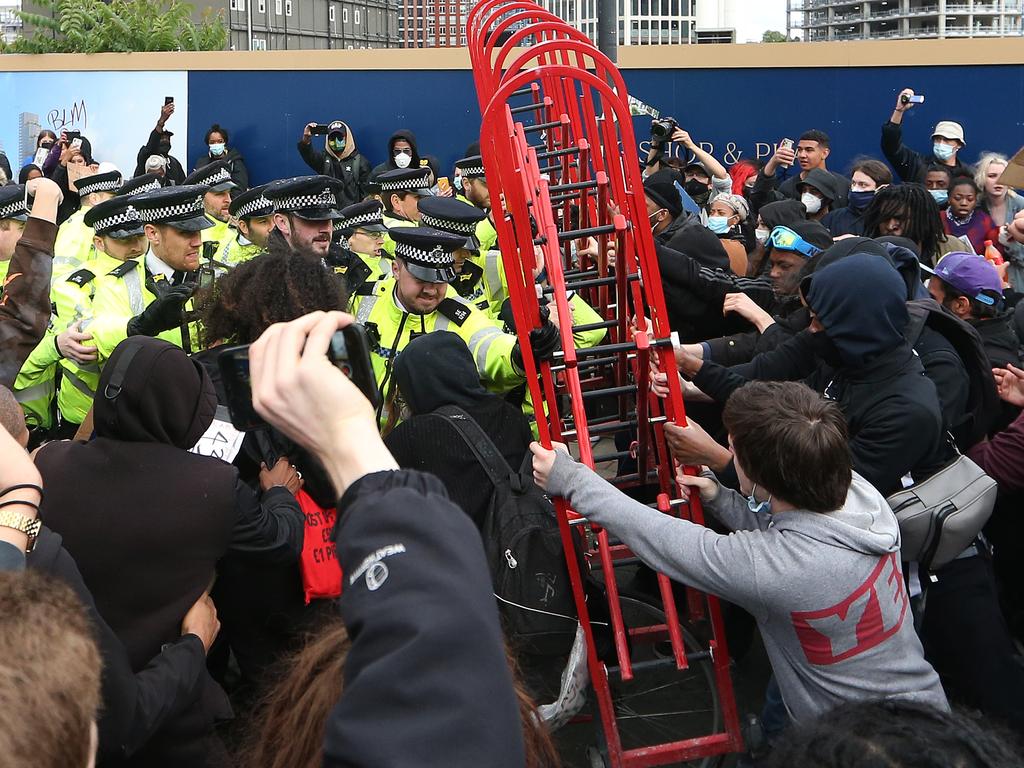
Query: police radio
(349, 352)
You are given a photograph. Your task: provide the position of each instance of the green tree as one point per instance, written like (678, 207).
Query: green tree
(94, 26)
(771, 36)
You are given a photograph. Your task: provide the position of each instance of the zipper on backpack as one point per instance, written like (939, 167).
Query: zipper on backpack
(512, 563)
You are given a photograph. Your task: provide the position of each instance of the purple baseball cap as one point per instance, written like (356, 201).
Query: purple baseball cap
(971, 275)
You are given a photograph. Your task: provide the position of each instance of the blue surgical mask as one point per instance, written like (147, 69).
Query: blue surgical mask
(860, 199)
(943, 152)
(758, 507)
(941, 195)
(217, 149)
(718, 224)
(457, 183)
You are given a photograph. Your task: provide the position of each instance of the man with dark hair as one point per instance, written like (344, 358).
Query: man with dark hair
(216, 178)
(254, 217)
(811, 152)
(305, 209)
(814, 553)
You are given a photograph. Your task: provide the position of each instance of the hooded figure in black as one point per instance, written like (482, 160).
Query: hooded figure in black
(854, 353)
(437, 370)
(146, 521)
(418, 160)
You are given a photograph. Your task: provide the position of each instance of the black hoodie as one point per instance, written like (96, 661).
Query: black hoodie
(146, 521)
(418, 161)
(437, 370)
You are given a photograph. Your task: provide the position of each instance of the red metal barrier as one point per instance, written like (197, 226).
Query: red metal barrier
(583, 181)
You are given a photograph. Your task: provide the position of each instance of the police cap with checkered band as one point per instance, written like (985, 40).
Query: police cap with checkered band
(216, 176)
(308, 197)
(251, 204)
(109, 181)
(368, 215)
(180, 207)
(114, 218)
(12, 202)
(147, 182)
(427, 253)
(413, 180)
(471, 167)
(451, 215)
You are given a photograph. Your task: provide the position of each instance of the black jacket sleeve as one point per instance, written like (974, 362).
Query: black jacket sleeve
(712, 285)
(762, 193)
(905, 161)
(25, 303)
(427, 682)
(135, 706)
(899, 436)
(270, 526)
(240, 173)
(790, 361)
(314, 158)
(363, 179)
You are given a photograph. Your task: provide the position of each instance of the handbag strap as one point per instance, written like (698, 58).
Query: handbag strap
(483, 447)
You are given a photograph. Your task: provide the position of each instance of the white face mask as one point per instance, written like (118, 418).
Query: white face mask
(811, 202)
(762, 235)
(402, 159)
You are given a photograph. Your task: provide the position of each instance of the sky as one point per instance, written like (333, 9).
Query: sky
(759, 15)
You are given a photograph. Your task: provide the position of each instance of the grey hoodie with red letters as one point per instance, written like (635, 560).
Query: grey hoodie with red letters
(827, 590)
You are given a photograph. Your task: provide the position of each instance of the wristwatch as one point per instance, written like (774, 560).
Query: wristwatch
(28, 525)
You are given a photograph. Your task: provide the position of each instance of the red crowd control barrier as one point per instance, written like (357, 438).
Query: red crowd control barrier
(559, 153)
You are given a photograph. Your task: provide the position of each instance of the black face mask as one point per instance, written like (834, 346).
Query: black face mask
(825, 350)
(163, 149)
(696, 189)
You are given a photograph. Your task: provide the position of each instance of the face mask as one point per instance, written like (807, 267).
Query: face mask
(457, 183)
(163, 149)
(217, 149)
(695, 188)
(403, 159)
(811, 202)
(941, 195)
(942, 152)
(762, 235)
(338, 145)
(718, 224)
(861, 199)
(758, 507)
(652, 217)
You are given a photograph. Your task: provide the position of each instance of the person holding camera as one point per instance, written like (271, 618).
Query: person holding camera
(339, 160)
(703, 177)
(947, 141)
(159, 143)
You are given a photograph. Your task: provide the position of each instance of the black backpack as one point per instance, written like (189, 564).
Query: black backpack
(982, 400)
(524, 550)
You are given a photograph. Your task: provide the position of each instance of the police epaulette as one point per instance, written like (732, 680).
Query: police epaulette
(471, 272)
(357, 274)
(123, 269)
(81, 277)
(454, 310)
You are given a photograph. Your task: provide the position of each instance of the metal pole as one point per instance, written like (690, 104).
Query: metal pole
(248, 23)
(608, 28)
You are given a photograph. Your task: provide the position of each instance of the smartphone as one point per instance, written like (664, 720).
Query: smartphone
(77, 143)
(917, 98)
(349, 351)
(443, 185)
(320, 129)
(168, 100)
(72, 135)
(787, 144)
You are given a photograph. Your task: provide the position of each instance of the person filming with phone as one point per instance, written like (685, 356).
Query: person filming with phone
(340, 159)
(947, 141)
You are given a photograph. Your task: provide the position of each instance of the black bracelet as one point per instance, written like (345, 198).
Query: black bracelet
(20, 502)
(21, 487)
(57, 347)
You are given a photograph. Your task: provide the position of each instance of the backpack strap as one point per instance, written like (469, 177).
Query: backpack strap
(482, 446)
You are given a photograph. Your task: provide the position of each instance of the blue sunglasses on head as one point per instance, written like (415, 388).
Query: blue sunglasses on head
(786, 239)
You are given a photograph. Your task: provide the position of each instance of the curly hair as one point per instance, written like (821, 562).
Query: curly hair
(916, 207)
(273, 287)
(894, 734)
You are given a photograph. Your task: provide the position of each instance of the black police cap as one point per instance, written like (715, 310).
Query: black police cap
(428, 253)
(414, 180)
(181, 207)
(147, 182)
(115, 218)
(108, 181)
(471, 167)
(308, 197)
(12, 202)
(215, 175)
(368, 215)
(251, 204)
(452, 215)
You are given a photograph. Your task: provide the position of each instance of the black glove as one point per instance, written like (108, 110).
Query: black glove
(544, 342)
(165, 313)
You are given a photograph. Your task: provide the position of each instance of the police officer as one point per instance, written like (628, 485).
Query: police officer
(474, 187)
(417, 299)
(401, 191)
(74, 239)
(118, 238)
(254, 215)
(151, 296)
(147, 182)
(216, 202)
(357, 252)
(304, 209)
(13, 215)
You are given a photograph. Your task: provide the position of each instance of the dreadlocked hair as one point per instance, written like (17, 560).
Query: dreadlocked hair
(274, 287)
(915, 206)
(894, 734)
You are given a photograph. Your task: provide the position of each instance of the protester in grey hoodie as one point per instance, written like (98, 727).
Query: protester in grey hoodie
(820, 572)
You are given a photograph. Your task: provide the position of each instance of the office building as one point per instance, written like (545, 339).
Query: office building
(904, 19)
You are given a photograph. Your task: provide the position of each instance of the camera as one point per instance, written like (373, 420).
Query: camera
(320, 129)
(349, 352)
(917, 98)
(662, 130)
